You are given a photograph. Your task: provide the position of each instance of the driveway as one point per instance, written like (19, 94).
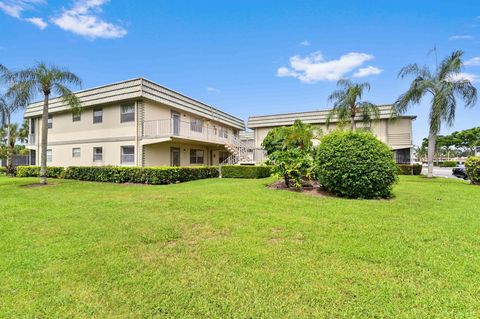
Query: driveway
(440, 172)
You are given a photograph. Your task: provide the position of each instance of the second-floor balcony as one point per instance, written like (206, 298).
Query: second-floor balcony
(186, 130)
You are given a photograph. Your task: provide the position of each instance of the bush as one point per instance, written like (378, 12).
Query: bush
(472, 167)
(407, 169)
(448, 164)
(244, 171)
(3, 170)
(34, 171)
(404, 169)
(355, 165)
(141, 175)
(293, 165)
(417, 169)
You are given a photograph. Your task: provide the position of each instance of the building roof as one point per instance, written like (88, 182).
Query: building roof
(312, 117)
(246, 135)
(137, 89)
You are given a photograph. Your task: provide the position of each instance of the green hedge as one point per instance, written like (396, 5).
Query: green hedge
(407, 169)
(3, 170)
(472, 167)
(417, 169)
(448, 164)
(245, 171)
(141, 175)
(34, 171)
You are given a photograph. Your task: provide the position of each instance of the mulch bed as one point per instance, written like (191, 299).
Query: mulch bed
(309, 188)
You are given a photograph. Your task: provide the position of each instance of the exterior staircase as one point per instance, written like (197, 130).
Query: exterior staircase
(240, 153)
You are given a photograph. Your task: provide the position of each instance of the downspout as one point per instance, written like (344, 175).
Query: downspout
(137, 150)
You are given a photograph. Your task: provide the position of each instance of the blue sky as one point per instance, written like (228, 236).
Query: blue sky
(246, 57)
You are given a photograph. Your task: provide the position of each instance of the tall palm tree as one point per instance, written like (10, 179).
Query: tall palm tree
(444, 86)
(45, 80)
(347, 104)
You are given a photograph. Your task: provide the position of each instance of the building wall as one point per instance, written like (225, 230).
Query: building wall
(62, 154)
(159, 154)
(395, 133)
(111, 135)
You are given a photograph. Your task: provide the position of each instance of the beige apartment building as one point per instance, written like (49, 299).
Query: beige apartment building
(396, 132)
(135, 123)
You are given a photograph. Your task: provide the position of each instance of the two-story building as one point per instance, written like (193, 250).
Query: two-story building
(396, 131)
(134, 123)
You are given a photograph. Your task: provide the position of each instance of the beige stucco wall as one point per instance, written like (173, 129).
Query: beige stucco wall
(111, 135)
(159, 154)
(62, 154)
(395, 133)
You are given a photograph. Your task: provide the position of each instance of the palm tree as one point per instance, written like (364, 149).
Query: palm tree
(444, 86)
(43, 79)
(347, 104)
(6, 111)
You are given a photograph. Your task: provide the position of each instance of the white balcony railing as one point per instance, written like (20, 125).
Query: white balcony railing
(177, 128)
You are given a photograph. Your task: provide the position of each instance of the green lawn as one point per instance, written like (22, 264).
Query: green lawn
(233, 248)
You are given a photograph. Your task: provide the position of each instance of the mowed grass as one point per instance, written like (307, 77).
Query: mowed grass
(226, 248)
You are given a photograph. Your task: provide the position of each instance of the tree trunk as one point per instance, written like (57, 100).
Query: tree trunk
(432, 138)
(43, 144)
(9, 144)
(352, 122)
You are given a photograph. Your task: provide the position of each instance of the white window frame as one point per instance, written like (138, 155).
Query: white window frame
(98, 118)
(49, 155)
(127, 113)
(76, 154)
(127, 158)
(96, 156)
(50, 122)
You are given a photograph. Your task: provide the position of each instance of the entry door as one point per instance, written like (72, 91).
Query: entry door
(174, 156)
(175, 123)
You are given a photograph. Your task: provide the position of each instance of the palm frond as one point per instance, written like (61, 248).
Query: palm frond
(68, 97)
(466, 91)
(415, 70)
(450, 65)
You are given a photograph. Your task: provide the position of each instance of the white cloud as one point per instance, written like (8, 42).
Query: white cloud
(460, 37)
(305, 43)
(212, 89)
(83, 19)
(14, 8)
(315, 67)
(465, 76)
(369, 70)
(37, 22)
(473, 61)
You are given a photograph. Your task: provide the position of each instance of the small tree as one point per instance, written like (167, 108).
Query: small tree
(347, 104)
(293, 166)
(290, 150)
(26, 84)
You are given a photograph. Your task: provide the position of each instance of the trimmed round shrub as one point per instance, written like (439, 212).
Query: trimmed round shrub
(355, 165)
(472, 167)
